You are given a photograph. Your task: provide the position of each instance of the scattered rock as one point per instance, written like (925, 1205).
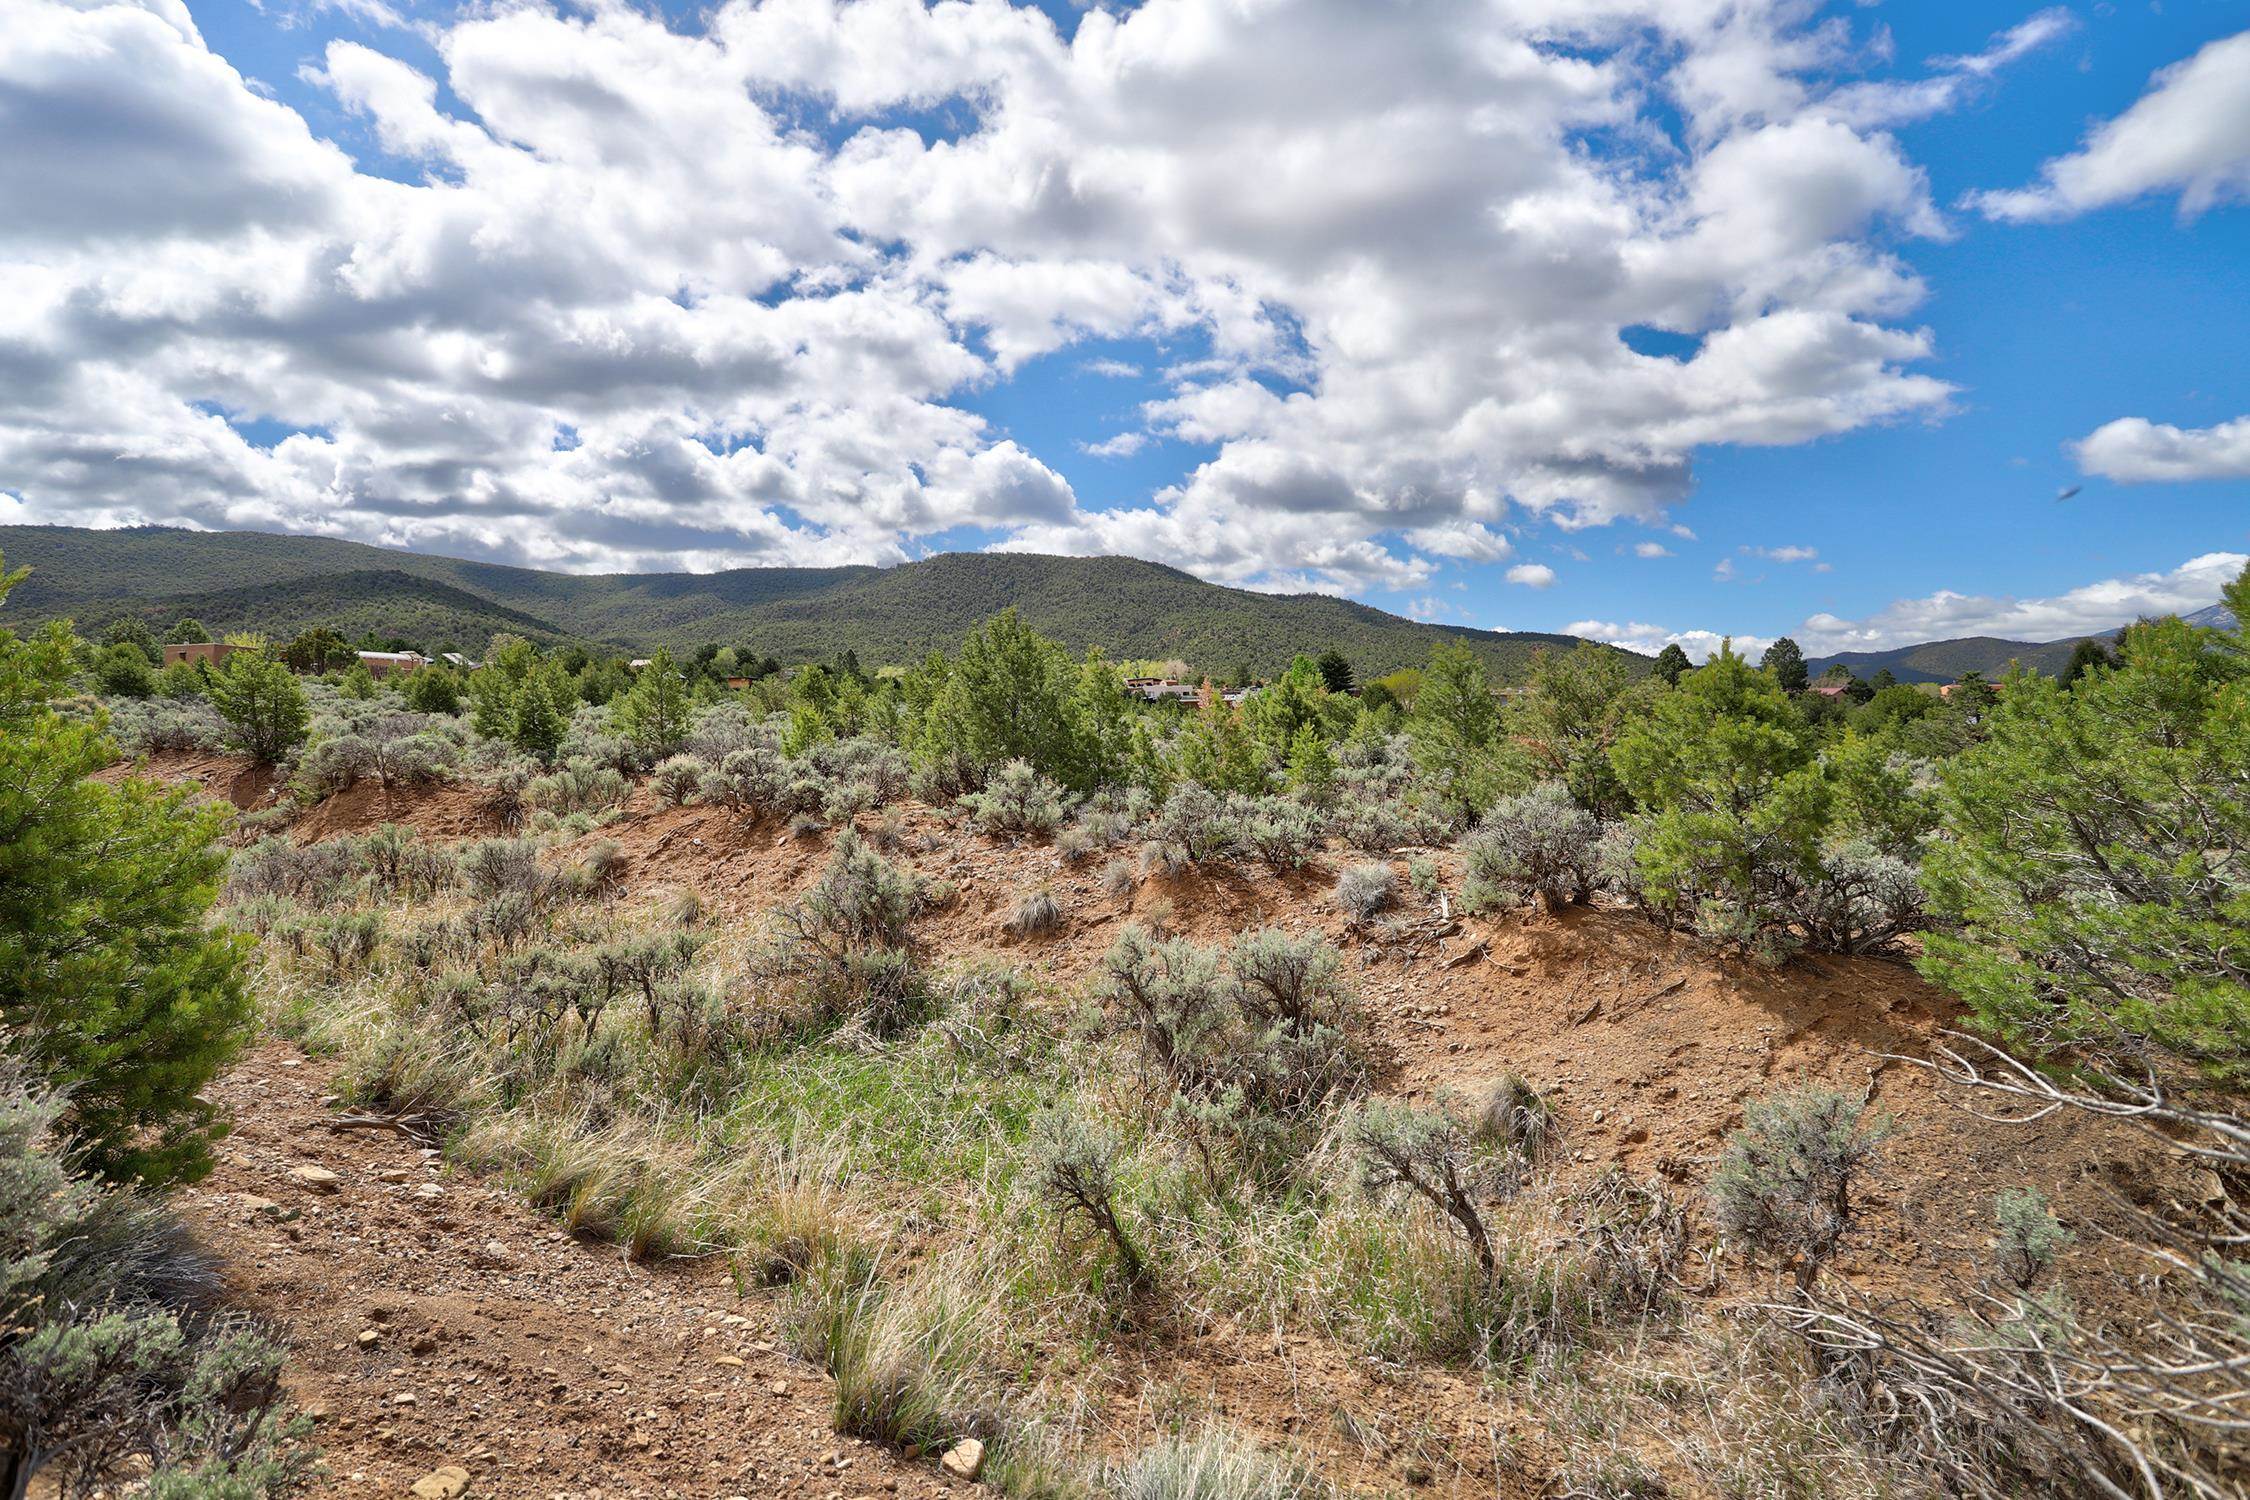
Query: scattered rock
(729, 1360)
(429, 1191)
(493, 1253)
(963, 1459)
(445, 1482)
(315, 1179)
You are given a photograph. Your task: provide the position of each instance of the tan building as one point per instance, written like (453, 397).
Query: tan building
(214, 653)
(392, 663)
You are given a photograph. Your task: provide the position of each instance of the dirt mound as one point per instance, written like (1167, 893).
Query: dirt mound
(437, 812)
(225, 777)
(1648, 1042)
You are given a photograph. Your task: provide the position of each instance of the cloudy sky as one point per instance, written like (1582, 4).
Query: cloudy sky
(1647, 319)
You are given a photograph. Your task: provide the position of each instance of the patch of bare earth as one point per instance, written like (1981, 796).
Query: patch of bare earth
(434, 1320)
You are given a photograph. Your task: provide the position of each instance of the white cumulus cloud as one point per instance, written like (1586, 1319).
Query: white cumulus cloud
(2136, 450)
(2188, 134)
(1402, 274)
(2087, 610)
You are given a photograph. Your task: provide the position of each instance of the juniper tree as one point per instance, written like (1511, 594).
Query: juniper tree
(263, 705)
(112, 987)
(2095, 859)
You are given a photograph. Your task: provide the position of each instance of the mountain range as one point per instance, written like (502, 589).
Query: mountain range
(237, 581)
(1946, 661)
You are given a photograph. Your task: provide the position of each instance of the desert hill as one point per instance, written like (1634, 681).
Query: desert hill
(1132, 609)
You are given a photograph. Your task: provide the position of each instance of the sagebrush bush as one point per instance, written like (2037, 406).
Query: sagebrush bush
(1428, 1153)
(308, 874)
(677, 780)
(1857, 898)
(845, 943)
(399, 863)
(1363, 890)
(1538, 846)
(579, 785)
(2029, 1235)
(1784, 1182)
(115, 1358)
(146, 727)
(1251, 1053)
(1277, 831)
(1075, 1163)
(1016, 799)
(1193, 827)
(499, 867)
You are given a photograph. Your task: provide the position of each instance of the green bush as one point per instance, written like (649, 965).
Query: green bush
(2095, 860)
(1785, 1180)
(112, 986)
(1735, 803)
(262, 703)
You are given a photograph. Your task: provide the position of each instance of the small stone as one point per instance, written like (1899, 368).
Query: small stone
(368, 1337)
(256, 1204)
(429, 1191)
(403, 1398)
(445, 1482)
(729, 1361)
(779, 1388)
(315, 1179)
(493, 1253)
(963, 1459)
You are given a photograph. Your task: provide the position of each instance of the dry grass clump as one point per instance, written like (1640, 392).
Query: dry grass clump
(1212, 1463)
(909, 1357)
(1036, 913)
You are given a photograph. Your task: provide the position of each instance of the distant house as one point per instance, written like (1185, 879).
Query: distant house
(1830, 688)
(737, 684)
(458, 662)
(1946, 691)
(1156, 689)
(212, 653)
(391, 663)
(637, 663)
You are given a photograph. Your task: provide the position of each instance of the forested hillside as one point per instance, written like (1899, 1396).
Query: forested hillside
(1132, 609)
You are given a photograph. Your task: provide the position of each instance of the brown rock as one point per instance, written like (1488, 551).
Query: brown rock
(445, 1482)
(963, 1459)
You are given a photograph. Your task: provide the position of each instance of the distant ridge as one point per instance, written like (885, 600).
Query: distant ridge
(1945, 661)
(280, 584)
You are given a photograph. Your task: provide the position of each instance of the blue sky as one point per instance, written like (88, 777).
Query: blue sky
(1656, 325)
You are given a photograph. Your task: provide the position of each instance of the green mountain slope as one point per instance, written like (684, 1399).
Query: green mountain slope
(385, 601)
(1945, 661)
(1133, 609)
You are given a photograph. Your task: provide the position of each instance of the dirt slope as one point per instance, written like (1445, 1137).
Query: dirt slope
(540, 1365)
